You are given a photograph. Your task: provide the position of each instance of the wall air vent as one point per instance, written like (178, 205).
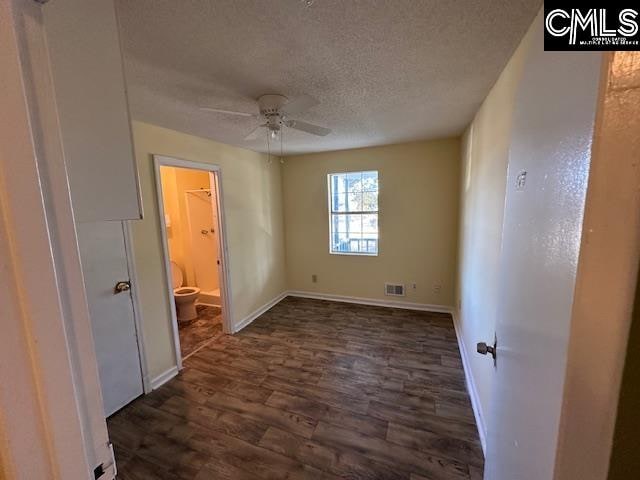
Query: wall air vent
(394, 289)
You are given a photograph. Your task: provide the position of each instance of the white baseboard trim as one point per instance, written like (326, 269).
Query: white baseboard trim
(372, 301)
(205, 304)
(471, 385)
(164, 377)
(255, 314)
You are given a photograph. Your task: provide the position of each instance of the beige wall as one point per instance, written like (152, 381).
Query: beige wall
(418, 206)
(485, 152)
(252, 195)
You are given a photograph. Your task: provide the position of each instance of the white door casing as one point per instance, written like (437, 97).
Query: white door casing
(215, 179)
(104, 263)
(547, 177)
(224, 275)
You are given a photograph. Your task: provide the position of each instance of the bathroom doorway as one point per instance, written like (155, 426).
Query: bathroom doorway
(192, 220)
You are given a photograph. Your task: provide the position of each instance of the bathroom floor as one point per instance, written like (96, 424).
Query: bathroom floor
(200, 331)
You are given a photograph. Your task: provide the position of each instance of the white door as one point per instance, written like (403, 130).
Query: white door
(546, 186)
(104, 264)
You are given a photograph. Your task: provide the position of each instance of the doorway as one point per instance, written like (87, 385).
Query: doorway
(192, 225)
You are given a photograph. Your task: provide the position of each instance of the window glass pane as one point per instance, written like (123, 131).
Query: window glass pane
(354, 202)
(339, 223)
(339, 183)
(370, 224)
(354, 223)
(370, 181)
(354, 182)
(370, 201)
(355, 243)
(339, 202)
(370, 244)
(341, 242)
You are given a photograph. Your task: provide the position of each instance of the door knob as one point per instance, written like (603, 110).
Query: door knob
(122, 287)
(485, 349)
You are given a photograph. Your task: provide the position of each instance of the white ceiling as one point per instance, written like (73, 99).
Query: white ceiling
(385, 71)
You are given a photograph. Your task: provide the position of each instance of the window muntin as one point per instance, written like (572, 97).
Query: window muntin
(353, 213)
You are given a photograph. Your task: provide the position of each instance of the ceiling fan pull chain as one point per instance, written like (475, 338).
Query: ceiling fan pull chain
(268, 147)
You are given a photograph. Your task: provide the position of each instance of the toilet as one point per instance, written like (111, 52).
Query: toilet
(185, 296)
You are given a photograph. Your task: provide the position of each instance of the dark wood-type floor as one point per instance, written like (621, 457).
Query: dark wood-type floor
(311, 390)
(203, 329)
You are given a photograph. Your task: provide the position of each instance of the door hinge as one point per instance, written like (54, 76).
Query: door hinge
(106, 471)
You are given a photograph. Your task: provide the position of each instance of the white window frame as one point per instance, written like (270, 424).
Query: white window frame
(331, 213)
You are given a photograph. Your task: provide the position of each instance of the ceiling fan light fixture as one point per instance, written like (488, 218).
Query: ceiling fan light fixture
(276, 112)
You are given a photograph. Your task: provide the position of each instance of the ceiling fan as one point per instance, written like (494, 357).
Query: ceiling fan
(276, 112)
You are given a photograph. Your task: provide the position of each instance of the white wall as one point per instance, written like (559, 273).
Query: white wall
(485, 154)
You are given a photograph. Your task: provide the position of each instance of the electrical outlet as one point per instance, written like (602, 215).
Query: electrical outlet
(437, 288)
(314, 278)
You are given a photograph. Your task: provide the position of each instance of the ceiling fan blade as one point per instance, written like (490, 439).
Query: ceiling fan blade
(255, 133)
(308, 127)
(299, 104)
(227, 112)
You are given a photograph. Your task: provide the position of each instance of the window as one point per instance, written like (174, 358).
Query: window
(353, 212)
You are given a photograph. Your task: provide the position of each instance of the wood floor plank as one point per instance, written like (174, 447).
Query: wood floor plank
(476, 473)
(281, 441)
(415, 476)
(380, 450)
(262, 462)
(216, 420)
(330, 397)
(140, 469)
(311, 389)
(347, 463)
(360, 423)
(460, 450)
(432, 423)
(334, 461)
(293, 403)
(276, 417)
(218, 469)
(171, 455)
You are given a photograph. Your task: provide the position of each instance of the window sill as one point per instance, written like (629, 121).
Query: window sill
(354, 254)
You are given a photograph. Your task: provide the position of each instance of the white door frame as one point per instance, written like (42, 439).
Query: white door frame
(135, 301)
(225, 284)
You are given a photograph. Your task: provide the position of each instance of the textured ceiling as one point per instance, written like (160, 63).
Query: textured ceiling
(385, 71)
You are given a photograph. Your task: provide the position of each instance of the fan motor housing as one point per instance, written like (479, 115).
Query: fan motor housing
(270, 105)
